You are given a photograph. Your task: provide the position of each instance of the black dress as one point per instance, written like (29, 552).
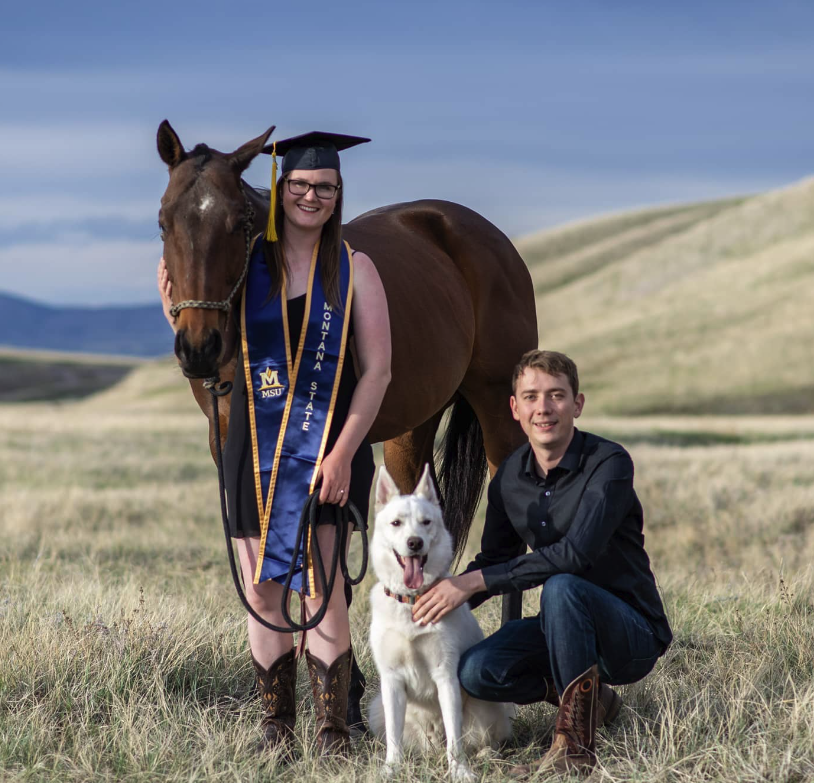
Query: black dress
(238, 466)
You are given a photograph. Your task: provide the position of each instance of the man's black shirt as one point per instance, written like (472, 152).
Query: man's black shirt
(583, 518)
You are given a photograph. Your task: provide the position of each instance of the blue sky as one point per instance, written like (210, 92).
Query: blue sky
(532, 113)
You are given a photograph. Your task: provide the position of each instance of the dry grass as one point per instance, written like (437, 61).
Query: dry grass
(709, 313)
(122, 646)
(123, 652)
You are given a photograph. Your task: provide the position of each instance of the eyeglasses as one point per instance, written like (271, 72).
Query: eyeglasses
(324, 190)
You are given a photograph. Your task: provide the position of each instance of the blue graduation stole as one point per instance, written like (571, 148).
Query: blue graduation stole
(291, 404)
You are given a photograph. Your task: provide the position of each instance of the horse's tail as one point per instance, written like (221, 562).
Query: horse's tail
(462, 472)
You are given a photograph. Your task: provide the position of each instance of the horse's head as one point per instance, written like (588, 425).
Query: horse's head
(203, 218)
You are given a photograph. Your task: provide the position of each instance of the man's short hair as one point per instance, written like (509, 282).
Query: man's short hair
(551, 363)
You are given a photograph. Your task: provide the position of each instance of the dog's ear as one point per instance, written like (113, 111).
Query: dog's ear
(426, 487)
(386, 488)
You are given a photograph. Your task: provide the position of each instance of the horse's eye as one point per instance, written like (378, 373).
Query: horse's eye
(161, 232)
(396, 522)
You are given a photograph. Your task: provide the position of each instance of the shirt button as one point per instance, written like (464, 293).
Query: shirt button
(543, 523)
(548, 492)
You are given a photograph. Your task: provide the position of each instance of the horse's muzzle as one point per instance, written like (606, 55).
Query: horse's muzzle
(199, 361)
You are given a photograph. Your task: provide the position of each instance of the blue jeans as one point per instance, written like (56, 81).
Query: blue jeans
(579, 625)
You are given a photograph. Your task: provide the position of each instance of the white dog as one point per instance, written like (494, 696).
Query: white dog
(421, 698)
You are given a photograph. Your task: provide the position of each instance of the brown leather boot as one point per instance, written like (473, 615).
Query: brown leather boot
(330, 688)
(608, 704)
(277, 686)
(574, 745)
(607, 707)
(551, 695)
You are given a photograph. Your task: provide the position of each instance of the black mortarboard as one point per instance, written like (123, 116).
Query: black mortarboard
(314, 150)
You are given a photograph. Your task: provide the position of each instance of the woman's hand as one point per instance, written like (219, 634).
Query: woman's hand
(165, 291)
(335, 475)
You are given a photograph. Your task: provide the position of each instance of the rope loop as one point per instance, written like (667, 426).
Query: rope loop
(309, 521)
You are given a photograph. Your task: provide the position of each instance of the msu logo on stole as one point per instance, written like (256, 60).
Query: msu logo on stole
(270, 385)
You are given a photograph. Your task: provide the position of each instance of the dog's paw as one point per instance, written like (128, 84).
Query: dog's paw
(460, 772)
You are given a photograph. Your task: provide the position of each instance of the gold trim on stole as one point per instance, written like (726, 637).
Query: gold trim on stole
(346, 316)
(258, 487)
(292, 381)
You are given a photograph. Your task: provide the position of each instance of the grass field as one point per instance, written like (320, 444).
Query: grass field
(123, 653)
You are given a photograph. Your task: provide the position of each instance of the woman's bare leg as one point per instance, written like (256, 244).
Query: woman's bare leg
(266, 645)
(331, 637)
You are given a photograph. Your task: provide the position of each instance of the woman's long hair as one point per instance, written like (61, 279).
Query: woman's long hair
(330, 248)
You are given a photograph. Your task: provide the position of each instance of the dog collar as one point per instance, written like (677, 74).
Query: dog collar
(402, 599)
(409, 599)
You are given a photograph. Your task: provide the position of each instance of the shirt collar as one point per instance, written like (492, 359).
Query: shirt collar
(570, 460)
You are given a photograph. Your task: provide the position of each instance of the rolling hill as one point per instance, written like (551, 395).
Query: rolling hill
(700, 309)
(692, 309)
(30, 376)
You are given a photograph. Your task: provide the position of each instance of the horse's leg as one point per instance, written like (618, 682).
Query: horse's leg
(406, 455)
(501, 433)
(501, 436)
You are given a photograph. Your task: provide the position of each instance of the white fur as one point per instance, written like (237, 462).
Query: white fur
(421, 700)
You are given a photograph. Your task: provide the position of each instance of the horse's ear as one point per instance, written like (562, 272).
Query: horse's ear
(386, 489)
(243, 156)
(169, 145)
(426, 487)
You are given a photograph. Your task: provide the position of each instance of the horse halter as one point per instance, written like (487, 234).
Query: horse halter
(226, 304)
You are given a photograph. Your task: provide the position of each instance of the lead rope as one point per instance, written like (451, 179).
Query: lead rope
(308, 521)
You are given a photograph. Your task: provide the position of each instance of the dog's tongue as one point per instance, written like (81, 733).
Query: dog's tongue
(413, 572)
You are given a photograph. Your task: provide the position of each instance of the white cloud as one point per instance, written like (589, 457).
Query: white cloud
(79, 270)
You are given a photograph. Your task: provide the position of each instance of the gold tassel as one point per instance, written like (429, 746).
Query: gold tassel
(271, 227)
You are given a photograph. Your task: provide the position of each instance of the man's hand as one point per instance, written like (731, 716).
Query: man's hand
(447, 595)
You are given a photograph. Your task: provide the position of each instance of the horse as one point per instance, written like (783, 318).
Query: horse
(460, 298)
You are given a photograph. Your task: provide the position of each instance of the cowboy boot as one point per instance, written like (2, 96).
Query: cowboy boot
(574, 745)
(609, 702)
(329, 685)
(277, 685)
(551, 695)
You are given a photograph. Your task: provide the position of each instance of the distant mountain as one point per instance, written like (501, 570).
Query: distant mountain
(123, 331)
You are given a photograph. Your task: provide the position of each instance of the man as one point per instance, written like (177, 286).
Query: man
(568, 495)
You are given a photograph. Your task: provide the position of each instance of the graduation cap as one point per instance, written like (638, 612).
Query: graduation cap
(309, 151)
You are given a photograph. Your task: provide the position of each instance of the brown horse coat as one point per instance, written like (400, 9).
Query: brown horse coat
(461, 305)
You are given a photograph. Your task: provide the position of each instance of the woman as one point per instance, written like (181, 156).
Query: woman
(302, 405)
